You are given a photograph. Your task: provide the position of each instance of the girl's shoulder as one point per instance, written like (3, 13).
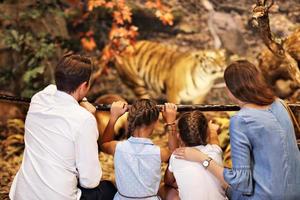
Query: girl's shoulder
(210, 148)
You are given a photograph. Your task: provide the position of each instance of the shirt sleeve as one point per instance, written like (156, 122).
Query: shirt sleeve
(240, 176)
(87, 160)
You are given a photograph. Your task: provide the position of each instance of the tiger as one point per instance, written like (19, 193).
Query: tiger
(153, 69)
(102, 117)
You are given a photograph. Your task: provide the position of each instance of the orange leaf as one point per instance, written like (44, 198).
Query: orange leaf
(133, 31)
(126, 13)
(167, 19)
(95, 3)
(110, 4)
(118, 17)
(88, 44)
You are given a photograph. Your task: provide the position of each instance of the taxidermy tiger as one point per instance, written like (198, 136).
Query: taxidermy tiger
(153, 69)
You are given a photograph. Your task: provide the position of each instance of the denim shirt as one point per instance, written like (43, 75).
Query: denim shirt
(265, 156)
(137, 168)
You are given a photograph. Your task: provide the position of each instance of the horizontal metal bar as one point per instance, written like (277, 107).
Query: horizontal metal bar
(180, 107)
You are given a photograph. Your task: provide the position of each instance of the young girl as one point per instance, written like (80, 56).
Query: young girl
(193, 180)
(137, 161)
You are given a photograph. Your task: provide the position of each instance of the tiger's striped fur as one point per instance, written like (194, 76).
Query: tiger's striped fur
(154, 69)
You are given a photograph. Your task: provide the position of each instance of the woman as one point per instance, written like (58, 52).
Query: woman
(265, 157)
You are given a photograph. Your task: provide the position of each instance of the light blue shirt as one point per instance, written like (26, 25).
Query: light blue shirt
(137, 164)
(265, 156)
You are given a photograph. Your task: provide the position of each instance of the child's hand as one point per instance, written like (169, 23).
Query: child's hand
(213, 133)
(169, 112)
(117, 109)
(213, 128)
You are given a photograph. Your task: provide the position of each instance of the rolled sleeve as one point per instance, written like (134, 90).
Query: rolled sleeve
(87, 160)
(240, 176)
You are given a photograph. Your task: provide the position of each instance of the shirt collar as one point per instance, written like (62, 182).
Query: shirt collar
(63, 95)
(139, 140)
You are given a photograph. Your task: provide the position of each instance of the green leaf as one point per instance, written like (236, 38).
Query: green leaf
(30, 74)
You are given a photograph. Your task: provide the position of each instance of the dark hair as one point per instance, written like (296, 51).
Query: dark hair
(142, 112)
(193, 128)
(71, 71)
(246, 83)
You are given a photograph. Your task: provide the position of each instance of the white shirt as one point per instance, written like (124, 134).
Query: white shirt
(60, 148)
(193, 180)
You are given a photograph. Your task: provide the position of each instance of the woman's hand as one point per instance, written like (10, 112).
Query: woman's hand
(169, 112)
(117, 109)
(190, 153)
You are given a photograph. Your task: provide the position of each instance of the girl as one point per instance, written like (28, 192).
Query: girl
(193, 181)
(137, 161)
(265, 156)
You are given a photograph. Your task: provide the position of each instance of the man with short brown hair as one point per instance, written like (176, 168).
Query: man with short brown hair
(61, 153)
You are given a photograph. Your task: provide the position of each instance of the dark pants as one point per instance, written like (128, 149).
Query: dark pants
(104, 191)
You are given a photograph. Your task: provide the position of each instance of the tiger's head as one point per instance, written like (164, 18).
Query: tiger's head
(212, 62)
(201, 70)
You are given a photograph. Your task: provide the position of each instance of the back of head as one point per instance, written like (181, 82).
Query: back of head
(193, 128)
(143, 112)
(71, 71)
(246, 83)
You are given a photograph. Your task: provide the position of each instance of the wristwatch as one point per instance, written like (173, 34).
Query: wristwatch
(206, 162)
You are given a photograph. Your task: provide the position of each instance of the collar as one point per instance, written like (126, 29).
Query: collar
(139, 140)
(65, 96)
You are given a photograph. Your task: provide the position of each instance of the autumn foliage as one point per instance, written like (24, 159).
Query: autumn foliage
(123, 33)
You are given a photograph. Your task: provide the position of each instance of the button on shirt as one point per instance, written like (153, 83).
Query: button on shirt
(265, 156)
(137, 167)
(60, 148)
(193, 180)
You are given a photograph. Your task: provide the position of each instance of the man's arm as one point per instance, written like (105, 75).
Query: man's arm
(86, 154)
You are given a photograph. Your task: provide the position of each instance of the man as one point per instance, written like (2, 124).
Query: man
(60, 159)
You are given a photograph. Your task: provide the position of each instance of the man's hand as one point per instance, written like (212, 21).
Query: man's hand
(88, 106)
(169, 112)
(117, 109)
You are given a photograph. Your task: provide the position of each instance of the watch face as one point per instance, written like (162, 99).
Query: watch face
(205, 163)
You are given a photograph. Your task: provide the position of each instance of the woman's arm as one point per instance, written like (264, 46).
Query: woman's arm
(193, 154)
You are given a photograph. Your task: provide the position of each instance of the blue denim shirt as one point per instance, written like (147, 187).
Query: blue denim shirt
(265, 156)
